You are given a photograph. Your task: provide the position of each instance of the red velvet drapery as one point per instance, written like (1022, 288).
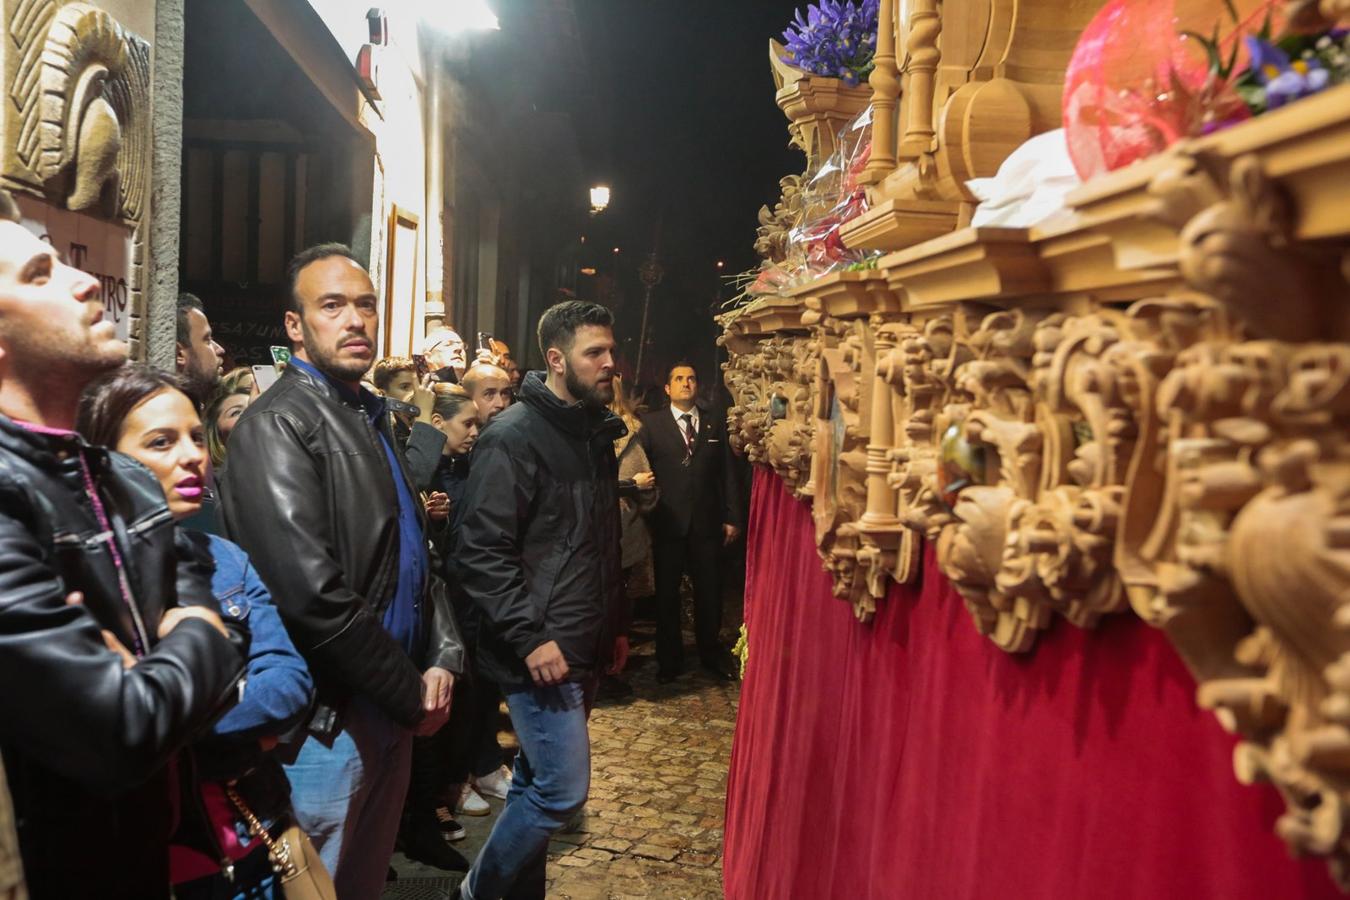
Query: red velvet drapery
(910, 758)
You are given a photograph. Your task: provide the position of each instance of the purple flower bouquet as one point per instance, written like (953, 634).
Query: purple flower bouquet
(836, 38)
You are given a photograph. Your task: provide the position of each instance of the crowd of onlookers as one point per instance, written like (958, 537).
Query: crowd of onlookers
(254, 634)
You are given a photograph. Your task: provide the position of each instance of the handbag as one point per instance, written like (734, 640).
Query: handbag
(293, 857)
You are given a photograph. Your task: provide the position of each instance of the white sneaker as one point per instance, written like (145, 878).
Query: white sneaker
(470, 803)
(494, 784)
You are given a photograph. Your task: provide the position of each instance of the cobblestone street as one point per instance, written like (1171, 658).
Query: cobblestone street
(653, 825)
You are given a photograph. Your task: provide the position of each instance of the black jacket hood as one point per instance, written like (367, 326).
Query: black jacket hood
(577, 419)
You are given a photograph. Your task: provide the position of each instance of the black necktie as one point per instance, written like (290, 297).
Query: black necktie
(687, 421)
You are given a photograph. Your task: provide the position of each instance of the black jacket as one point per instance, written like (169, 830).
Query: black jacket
(537, 548)
(697, 499)
(86, 743)
(311, 498)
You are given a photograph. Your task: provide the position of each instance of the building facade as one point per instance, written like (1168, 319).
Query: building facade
(196, 144)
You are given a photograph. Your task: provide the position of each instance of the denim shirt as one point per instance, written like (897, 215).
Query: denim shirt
(279, 687)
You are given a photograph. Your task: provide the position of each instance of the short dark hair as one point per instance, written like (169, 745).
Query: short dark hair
(106, 403)
(389, 368)
(186, 304)
(304, 258)
(681, 364)
(559, 323)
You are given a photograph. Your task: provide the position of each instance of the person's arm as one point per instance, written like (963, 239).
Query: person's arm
(279, 689)
(423, 454)
(499, 492)
(647, 498)
(72, 703)
(733, 493)
(277, 513)
(445, 647)
(193, 571)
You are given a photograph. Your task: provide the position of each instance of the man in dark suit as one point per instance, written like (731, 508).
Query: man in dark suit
(700, 511)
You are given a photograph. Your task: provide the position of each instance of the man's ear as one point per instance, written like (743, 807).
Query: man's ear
(667, 389)
(180, 356)
(556, 360)
(293, 329)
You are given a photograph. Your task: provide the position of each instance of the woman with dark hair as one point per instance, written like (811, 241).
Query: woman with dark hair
(454, 415)
(236, 797)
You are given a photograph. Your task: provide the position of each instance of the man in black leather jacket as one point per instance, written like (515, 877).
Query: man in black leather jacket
(111, 654)
(538, 552)
(318, 494)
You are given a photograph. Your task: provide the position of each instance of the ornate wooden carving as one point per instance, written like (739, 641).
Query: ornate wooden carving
(75, 129)
(774, 224)
(1142, 408)
(978, 78)
(839, 462)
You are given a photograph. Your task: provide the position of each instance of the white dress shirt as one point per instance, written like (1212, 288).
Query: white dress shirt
(693, 414)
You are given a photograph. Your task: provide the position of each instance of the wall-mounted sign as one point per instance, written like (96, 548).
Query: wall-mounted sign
(97, 246)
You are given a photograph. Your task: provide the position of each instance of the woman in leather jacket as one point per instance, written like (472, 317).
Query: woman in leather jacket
(146, 414)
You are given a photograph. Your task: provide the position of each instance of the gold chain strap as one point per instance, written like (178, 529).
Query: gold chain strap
(278, 852)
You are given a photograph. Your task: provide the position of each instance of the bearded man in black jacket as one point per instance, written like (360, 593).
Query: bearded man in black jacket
(319, 495)
(538, 553)
(112, 656)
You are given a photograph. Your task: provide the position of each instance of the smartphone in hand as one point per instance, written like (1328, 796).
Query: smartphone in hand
(265, 376)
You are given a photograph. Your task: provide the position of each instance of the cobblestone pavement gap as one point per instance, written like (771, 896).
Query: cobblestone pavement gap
(653, 825)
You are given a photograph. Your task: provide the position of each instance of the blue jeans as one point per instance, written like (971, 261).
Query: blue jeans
(551, 780)
(348, 794)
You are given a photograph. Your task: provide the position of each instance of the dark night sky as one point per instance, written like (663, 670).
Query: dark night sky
(694, 141)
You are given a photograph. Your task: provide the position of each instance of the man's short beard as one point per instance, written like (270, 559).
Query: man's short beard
(201, 385)
(596, 396)
(57, 362)
(327, 363)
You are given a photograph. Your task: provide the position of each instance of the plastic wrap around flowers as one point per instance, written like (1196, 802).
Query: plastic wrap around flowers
(1132, 88)
(833, 197)
(836, 38)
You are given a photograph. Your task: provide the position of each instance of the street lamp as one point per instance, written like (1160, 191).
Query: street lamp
(599, 198)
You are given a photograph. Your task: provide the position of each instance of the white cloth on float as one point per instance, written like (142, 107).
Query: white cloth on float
(1030, 185)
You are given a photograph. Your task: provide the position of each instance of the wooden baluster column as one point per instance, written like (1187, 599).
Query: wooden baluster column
(885, 82)
(923, 29)
(881, 496)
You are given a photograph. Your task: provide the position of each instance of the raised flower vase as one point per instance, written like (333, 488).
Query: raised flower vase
(817, 106)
